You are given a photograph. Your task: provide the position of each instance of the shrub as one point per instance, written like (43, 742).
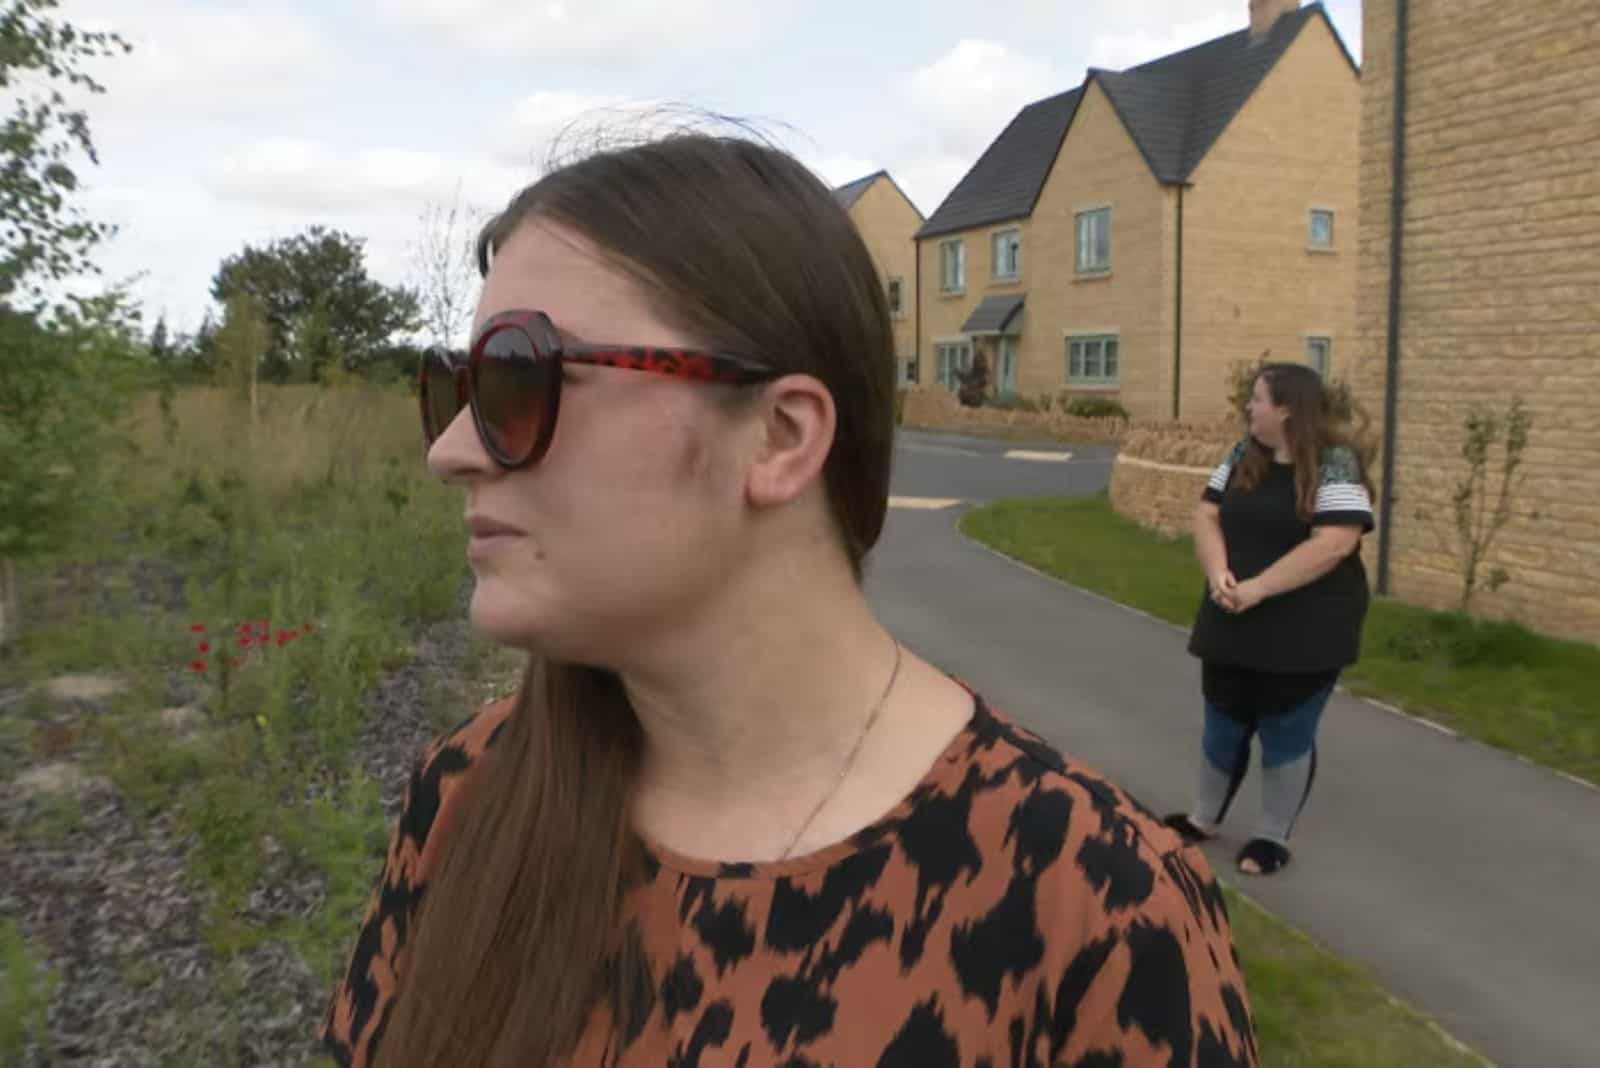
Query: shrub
(1097, 408)
(975, 383)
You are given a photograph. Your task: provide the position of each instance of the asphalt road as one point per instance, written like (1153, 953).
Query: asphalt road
(1466, 880)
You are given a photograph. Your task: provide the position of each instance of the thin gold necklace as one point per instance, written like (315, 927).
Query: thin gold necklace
(844, 772)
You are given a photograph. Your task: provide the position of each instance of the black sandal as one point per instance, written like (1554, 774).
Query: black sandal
(1188, 829)
(1268, 856)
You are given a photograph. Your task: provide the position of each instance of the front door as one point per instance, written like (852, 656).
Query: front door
(1006, 375)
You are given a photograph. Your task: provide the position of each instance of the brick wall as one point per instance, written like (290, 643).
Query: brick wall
(1252, 282)
(1100, 166)
(887, 222)
(944, 313)
(1501, 291)
(1162, 468)
(932, 408)
(1157, 495)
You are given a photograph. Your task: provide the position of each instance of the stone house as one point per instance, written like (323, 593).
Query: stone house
(888, 221)
(1133, 237)
(1492, 219)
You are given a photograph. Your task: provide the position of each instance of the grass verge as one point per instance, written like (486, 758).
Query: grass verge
(1314, 1010)
(1497, 682)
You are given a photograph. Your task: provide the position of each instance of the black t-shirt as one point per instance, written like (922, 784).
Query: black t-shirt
(1311, 631)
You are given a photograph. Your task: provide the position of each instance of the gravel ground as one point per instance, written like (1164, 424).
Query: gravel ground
(106, 897)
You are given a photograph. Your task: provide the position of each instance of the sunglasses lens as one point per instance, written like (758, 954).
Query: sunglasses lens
(512, 385)
(441, 399)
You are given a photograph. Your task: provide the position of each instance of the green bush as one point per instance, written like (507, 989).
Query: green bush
(1097, 408)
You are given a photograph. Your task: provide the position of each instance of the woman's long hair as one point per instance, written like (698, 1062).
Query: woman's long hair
(1311, 428)
(520, 938)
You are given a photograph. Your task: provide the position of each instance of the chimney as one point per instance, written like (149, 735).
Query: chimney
(1265, 13)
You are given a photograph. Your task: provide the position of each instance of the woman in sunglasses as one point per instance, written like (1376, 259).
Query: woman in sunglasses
(727, 819)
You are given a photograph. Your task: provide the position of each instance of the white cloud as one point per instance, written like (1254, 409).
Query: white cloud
(615, 29)
(838, 168)
(1115, 50)
(968, 95)
(310, 177)
(196, 62)
(553, 119)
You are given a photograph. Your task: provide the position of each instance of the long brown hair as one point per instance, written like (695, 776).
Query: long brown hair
(1312, 427)
(520, 937)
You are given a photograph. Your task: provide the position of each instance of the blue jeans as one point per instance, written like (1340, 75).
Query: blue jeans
(1285, 736)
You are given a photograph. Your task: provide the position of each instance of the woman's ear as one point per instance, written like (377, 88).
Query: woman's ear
(798, 420)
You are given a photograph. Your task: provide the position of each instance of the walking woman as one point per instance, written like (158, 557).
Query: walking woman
(727, 819)
(1278, 531)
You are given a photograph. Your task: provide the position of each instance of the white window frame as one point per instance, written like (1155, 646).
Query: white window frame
(942, 369)
(1081, 342)
(894, 291)
(1088, 258)
(1325, 342)
(910, 371)
(1001, 386)
(1311, 228)
(956, 250)
(995, 239)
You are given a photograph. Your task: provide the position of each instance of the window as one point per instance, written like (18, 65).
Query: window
(952, 357)
(896, 297)
(1007, 248)
(1092, 361)
(1319, 354)
(1321, 235)
(953, 266)
(909, 371)
(1006, 376)
(1094, 240)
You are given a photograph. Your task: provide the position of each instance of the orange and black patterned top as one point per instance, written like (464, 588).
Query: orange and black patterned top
(1016, 909)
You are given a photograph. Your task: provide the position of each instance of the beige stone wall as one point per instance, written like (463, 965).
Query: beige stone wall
(1162, 468)
(1252, 283)
(1159, 496)
(931, 408)
(887, 222)
(944, 313)
(1501, 290)
(1100, 166)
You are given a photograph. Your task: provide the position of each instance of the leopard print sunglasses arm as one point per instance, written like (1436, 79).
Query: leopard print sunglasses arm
(692, 364)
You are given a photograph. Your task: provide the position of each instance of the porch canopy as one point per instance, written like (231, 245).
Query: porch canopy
(996, 315)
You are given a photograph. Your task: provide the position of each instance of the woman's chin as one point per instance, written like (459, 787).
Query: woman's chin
(501, 615)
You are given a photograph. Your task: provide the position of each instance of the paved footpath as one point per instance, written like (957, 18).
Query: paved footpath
(1467, 881)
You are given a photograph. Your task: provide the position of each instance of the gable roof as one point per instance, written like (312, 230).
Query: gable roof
(846, 195)
(1006, 180)
(850, 192)
(1174, 108)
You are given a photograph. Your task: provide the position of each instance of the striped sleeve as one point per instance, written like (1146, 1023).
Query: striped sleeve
(1342, 499)
(1218, 483)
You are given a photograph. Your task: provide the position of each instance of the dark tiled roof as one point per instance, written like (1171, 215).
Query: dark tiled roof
(1174, 108)
(850, 192)
(1006, 180)
(995, 315)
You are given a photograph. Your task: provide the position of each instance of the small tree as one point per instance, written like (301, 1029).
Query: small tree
(974, 382)
(444, 269)
(1478, 519)
(1242, 375)
(241, 345)
(63, 406)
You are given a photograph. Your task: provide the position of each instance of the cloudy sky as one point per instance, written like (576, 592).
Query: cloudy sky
(241, 121)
